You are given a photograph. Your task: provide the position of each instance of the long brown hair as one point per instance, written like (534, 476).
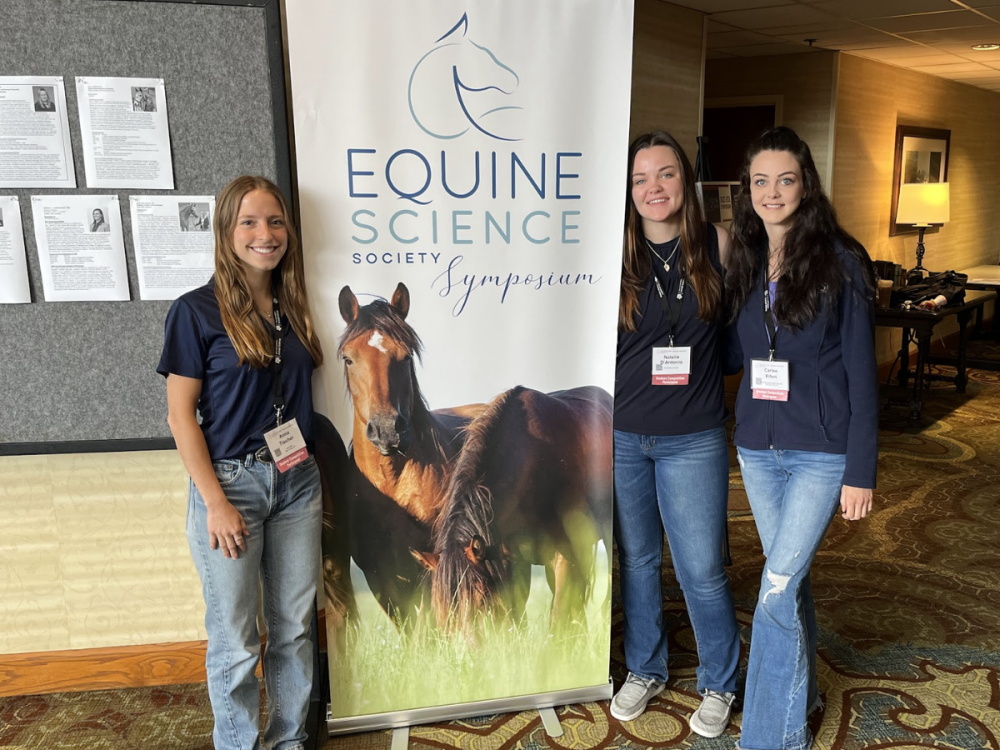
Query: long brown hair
(636, 266)
(250, 336)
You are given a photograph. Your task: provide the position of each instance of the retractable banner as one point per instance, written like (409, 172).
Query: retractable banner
(461, 173)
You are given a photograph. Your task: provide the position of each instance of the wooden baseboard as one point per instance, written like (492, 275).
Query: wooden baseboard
(110, 668)
(102, 668)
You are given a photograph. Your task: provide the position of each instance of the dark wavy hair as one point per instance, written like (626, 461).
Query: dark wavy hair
(636, 266)
(812, 270)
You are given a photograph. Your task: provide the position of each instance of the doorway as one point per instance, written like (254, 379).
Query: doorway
(729, 126)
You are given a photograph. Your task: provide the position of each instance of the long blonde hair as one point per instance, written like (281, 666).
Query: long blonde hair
(251, 338)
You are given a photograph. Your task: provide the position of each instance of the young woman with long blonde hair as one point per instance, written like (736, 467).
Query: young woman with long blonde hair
(240, 351)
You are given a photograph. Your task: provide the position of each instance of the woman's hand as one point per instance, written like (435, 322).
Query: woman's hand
(855, 502)
(226, 529)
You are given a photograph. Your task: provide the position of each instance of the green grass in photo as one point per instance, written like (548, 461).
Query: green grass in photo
(420, 666)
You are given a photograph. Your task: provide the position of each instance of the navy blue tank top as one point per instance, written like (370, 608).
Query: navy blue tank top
(647, 409)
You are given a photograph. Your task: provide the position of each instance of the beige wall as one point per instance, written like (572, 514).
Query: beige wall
(805, 82)
(872, 99)
(667, 57)
(93, 552)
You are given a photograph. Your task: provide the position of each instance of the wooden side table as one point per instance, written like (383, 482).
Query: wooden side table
(922, 323)
(985, 278)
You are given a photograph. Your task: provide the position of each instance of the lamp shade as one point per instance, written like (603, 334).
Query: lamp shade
(923, 203)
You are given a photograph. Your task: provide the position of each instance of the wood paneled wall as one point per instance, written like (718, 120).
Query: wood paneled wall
(667, 65)
(806, 84)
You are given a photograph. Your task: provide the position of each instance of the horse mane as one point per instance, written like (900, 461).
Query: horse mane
(478, 440)
(382, 317)
(468, 512)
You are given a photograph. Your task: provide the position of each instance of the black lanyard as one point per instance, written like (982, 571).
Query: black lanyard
(276, 364)
(772, 330)
(673, 312)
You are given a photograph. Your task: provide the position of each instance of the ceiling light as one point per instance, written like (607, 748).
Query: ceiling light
(985, 47)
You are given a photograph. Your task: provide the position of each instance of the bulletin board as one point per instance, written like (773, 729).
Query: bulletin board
(81, 376)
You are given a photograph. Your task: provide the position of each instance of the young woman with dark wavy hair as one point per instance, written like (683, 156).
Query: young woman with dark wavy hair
(240, 351)
(671, 460)
(806, 416)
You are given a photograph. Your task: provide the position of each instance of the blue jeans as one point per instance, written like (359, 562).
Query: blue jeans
(793, 495)
(679, 483)
(283, 514)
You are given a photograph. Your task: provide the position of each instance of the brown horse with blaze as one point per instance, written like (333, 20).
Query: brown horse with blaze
(525, 480)
(402, 446)
(402, 451)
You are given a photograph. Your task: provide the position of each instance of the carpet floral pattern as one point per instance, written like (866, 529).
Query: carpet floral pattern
(908, 604)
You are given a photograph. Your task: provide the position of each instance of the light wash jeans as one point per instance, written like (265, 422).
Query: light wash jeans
(793, 495)
(283, 513)
(679, 483)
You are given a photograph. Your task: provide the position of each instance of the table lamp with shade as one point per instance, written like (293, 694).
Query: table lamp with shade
(922, 204)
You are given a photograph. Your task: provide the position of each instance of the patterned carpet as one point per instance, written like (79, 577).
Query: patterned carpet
(908, 605)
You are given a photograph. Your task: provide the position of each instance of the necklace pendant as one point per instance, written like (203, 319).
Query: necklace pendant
(666, 267)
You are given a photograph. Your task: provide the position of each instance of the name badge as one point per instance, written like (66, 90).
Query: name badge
(671, 365)
(287, 445)
(769, 379)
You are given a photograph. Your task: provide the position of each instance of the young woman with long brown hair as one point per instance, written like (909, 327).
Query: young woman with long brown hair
(240, 351)
(671, 459)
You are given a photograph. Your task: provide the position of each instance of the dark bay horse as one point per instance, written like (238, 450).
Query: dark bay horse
(361, 523)
(403, 452)
(532, 485)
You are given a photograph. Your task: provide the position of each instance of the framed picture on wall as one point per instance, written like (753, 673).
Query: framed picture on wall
(921, 156)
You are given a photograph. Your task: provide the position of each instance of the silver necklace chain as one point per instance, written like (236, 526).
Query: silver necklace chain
(666, 261)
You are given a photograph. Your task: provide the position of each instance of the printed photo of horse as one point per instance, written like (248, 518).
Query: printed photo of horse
(481, 531)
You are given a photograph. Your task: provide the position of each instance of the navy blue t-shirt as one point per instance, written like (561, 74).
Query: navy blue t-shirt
(237, 402)
(647, 409)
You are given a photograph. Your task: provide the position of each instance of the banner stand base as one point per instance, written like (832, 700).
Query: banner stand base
(433, 714)
(551, 722)
(400, 738)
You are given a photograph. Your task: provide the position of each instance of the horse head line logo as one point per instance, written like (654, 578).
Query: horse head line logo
(446, 81)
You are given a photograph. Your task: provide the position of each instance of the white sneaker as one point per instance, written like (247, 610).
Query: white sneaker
(712, 716)
(631, 700)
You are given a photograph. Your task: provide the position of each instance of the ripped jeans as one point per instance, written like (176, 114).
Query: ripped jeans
(793, 495)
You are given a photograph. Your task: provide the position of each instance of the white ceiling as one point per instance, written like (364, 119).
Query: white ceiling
(930, 36)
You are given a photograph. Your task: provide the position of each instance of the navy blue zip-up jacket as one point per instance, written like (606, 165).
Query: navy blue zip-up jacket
(832, 404)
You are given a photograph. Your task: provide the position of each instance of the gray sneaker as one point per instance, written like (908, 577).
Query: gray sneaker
(712, 716)
(631, 700)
